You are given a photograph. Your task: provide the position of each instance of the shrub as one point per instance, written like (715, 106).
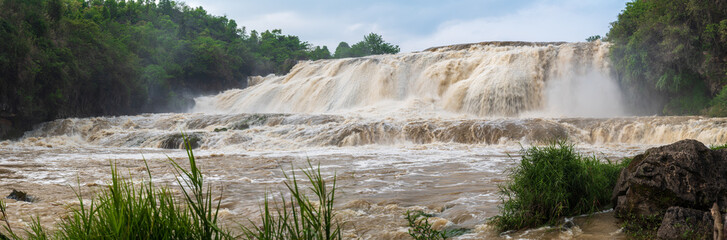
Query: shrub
(421, 229)
(718, 105)
(552, 182)
(642, 227)
(718, 147)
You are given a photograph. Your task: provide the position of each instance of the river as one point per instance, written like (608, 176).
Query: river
(433, 131)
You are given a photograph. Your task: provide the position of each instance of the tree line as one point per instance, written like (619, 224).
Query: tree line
(671, 55)
(80, 58)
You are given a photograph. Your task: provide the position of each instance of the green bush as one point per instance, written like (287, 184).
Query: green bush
(421, 229)
(552, 182)
(718, 147)
(718, 105)
(642, 227)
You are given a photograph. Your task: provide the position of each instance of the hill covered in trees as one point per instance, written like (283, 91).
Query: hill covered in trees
(671, 55)
(79, 58)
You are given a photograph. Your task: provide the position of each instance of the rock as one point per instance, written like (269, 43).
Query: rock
(20, 196)
(685, 174)
(5, 127)
(176, 141)
(685, 223)
(717, 227)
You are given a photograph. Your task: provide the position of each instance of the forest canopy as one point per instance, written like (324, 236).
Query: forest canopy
(79, 58)
(671, 55)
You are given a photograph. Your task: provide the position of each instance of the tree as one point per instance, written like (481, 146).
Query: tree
(593, 38)
(376, 45)
(320, 53)
(372, 44)
(671, 55)
(343, 50)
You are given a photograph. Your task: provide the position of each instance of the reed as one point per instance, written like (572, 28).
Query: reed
(298, 216)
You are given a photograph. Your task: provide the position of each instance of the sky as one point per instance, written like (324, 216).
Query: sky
(415, 25)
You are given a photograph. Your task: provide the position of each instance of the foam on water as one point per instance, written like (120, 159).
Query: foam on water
(432, 131)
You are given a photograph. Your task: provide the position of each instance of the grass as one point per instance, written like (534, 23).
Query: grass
(641, 227)
(718, 147)
(553, 182)
(303, 218)
(128, 210)
(421, 229)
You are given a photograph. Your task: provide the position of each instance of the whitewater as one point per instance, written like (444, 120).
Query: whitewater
(434, 130)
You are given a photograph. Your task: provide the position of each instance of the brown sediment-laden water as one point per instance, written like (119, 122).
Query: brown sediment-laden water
(433, 131)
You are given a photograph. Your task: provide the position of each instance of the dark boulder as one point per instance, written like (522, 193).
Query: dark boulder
(685, 223)
(176, 141)
(685, 174)
(20, 196)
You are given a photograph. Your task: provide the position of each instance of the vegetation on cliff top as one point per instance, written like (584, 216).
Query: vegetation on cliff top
(671, 55)
(80, 58)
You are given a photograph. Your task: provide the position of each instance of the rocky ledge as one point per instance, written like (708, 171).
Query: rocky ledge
(684, 184)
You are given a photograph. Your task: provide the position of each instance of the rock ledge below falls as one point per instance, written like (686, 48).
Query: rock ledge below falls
(680, 183)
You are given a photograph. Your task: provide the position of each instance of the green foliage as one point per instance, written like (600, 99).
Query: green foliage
(320, 53)
(552, 182)
(79, 58)
(718, 104)
(302, 218)
(690, 102)
(277, 51)
(343, 51)
(641, 227)
(593, 38)
(128, 210)
(718, 147)
(671, 54)
(372, 44)
(421, 229)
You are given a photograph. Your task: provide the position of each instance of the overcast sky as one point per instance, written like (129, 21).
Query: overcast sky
(418, 24)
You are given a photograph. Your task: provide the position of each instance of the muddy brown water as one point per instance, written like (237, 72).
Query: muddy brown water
(381, 171)
(433, 131)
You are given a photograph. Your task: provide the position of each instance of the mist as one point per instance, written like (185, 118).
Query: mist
(593, 94)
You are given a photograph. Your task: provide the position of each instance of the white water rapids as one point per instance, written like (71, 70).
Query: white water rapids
(433, 130)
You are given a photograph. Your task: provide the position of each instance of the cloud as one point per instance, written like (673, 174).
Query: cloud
(540, 22)
(417, 25)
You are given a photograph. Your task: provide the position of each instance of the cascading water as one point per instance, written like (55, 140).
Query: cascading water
(480, 80)
(432, 130)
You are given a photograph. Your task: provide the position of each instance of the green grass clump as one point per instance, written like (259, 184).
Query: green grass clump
(421, 229)
(299, 217)
(718, 147)
(552, 182)
(128, 210)
(642, 227)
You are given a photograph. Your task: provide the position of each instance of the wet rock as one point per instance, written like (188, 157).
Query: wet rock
(252, 120)
(241, 126)
(176, 141)
(20, 196)
(685, 223)
(685, 174)
(5, 127)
